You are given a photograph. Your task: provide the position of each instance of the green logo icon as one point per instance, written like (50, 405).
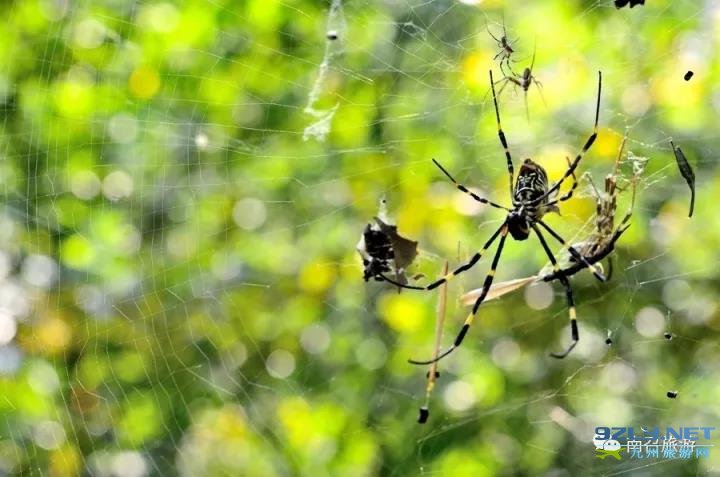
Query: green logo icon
(607, 448)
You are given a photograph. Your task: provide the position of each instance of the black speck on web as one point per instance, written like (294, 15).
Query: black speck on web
(622, 3)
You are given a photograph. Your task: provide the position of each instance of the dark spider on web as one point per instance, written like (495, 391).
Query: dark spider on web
(532, 197)
(506, 49)
(523, 81)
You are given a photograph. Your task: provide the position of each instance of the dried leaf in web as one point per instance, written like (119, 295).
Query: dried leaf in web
(496, 290)
(384, 250)
(405, 250)
(687, 173)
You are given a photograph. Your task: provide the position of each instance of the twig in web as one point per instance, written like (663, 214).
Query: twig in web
(433, 372)
(497, 289)
(687, 173)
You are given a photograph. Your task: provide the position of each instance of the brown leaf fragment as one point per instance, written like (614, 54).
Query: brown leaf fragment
(687, 173)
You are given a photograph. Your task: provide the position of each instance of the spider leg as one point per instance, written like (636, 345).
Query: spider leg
(501, 135)
(532, 62)
(462, 268)
(569, 193)
(579, 157)
(505, 81)
(572, 313)
(464, 189)
(539, 88)
(490, 33)
(502, 231)
(577, 255)
(596, 257)
(505, 60)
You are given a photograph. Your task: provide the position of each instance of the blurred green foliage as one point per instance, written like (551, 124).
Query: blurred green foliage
(184, 185)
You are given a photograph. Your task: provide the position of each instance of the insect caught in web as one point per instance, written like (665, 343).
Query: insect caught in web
(601, 241)
(532, 197)
(524, 81)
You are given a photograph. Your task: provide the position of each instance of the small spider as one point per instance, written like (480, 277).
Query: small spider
(506, 49)
(532, 197)
(523, 81)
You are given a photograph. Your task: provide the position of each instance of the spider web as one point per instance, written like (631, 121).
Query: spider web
(185, 184)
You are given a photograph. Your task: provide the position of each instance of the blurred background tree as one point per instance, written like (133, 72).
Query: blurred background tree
(184, 185)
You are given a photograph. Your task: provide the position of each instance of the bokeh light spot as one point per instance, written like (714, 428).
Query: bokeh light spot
(650, 322)
(144, 82)
(280, 364)
(249, 213)
(404, 313)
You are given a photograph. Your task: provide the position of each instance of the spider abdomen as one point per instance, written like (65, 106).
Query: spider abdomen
(529, 199)
(531, 183)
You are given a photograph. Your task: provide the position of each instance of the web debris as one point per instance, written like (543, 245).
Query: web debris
(335, 32)
(383, 250)
(687, 173)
